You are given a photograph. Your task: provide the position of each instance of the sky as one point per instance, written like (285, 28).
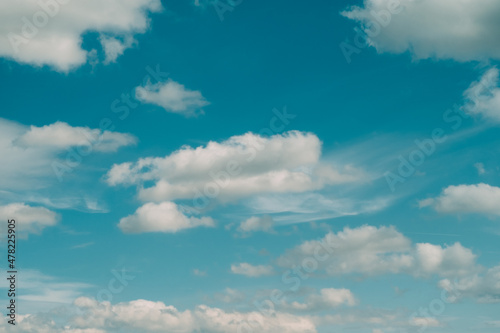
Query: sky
(251, 166)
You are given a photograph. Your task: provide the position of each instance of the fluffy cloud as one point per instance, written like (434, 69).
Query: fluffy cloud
(60, 135)
(162, 217)
(445, 29)
(34, 151)
(257, 223)
(485, 288)
(146, 316)
(241, 166)
(327, 298)
(251, 270)
(481, 198)
(29, 219)
(173, 97)
(50, 32)
(370, 250)
(483, 96)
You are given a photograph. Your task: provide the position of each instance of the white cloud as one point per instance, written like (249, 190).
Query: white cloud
(162, 217)
(328, 298)
(241, 166)
(50, 32)
(114, 47)
(173, 97)
(60, 135)
(483, 96)
(34, 151)
(147, 316)
(445, 29)
(251, 270)
(29, 219)
(485, 288)
(481, 198)
(370, 251)
(257, 223)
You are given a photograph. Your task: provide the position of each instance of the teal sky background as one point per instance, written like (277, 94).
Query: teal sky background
(262, 56)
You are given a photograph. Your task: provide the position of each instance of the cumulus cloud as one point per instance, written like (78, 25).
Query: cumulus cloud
(249, 270)
(483, 96)
(51, 32)
(257, 223)
(445, 29)
(369, 250)
(241, 166)
(173, 97)
(34, 151)
(327, 298)
(162, 217)
(91, 316)
(481, 198)
(484, 288)
(60, 135)
(29, 219)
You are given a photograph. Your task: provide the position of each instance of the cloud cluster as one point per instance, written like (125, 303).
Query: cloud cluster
(51, 32)
(369, 250)
(241, 166)
(148, 316)
(485, 288)
(445, 29)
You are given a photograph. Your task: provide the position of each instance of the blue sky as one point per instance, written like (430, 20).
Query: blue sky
(251, 166)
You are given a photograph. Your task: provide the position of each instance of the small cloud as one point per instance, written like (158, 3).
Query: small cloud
(263, 223)
(161, 217)
(480, 168)
(251, 270)
(198, 272)
(81, 246)
(480, 198)
(173, 97)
